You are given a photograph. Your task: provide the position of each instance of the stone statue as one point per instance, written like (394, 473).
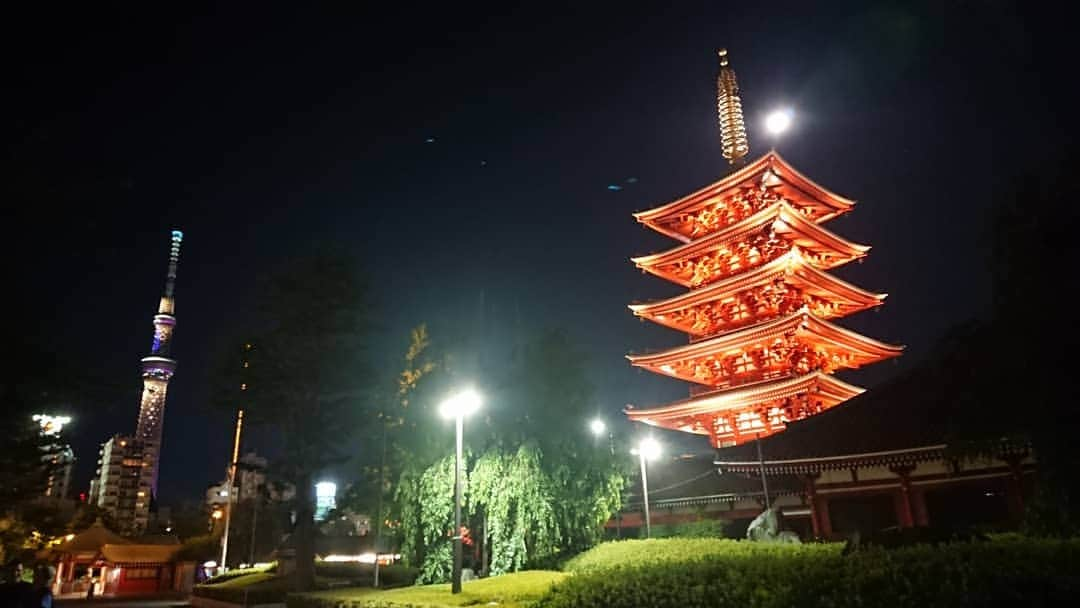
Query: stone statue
(766, 528)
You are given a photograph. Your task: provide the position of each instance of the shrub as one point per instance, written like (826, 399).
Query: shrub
(702, 528)
(643, 552)
(234, 574)
(740, 574)
(267, 590)
(364, 574)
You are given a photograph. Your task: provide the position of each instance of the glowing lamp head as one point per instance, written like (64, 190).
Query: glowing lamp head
(217, 514)
(648, 448)
(461, 404)
(597, 427)
(325, 489)
(779, 121)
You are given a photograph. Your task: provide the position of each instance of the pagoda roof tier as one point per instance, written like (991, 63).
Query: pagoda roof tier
(720, 203)
(753, 297)
(795, 344)
(729, 416)
(754, 241)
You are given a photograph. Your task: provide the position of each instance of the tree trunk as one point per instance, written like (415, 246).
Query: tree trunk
(304, 534)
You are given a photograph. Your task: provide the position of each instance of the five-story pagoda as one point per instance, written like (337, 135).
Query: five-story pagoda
(762, 345)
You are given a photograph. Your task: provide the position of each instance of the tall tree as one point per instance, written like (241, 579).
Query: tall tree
(1034, 259)
(303, 373)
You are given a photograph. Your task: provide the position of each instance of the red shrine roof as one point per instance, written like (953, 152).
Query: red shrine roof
(835, 347)
(791, 268)
(770, 171)
(821, 248)
(689, 415)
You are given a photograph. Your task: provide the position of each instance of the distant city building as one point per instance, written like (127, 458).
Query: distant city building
(325, 499)
(61, 458)
(125, 482)
(128, 469)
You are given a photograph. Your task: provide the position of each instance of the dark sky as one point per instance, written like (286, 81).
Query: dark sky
(262, 133)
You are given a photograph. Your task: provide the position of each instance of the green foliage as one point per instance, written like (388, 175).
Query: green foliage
(302, 370)
(248, 590)
(515, 498)
(688, 572)
(364, 574)
(506, 591)
(240, 573)
(653, 551)
(535, 491)
(702, 528)
(201, 548)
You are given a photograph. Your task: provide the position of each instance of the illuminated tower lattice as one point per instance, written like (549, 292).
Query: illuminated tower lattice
(158, 367)
(759, 310)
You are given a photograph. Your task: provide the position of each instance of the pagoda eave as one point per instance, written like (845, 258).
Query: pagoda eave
(791, 268)
(770, 162)
(678, 414)
(801, 324)
(781, 218)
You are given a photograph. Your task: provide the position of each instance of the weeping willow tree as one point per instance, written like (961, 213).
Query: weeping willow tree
(513, 503)
(533, 491)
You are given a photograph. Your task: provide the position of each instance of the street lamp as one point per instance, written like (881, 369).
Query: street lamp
(647, 449)
(779, 121)
(457, 407)
(597, 428)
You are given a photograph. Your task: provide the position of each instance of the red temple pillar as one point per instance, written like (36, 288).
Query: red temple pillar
(821, 508)
(811, 499)
(918, 506)
(904, 515)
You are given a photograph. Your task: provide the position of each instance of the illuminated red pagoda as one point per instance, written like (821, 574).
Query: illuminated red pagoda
(759, 314)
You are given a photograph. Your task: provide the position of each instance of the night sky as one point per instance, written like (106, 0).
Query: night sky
(465, 157)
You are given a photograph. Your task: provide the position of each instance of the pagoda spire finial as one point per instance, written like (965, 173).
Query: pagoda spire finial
(729, 108)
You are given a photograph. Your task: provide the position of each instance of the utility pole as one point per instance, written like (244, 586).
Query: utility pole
(231, 488)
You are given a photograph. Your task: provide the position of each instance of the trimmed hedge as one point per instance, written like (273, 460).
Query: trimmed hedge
(269, 593)
(643, 552)
(653, 574)
(364, 574)
(507, 590)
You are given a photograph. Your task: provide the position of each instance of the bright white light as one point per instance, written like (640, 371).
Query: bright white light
(325, 489)
(649, 448)
(51, 425)
(779, 121)
(462, 404)
(597, 426)
(210, 564)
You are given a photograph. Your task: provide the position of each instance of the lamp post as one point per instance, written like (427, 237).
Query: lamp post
(648, 449)
(457, 407)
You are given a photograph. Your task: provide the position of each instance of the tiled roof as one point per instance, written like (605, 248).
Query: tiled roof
(929, 405)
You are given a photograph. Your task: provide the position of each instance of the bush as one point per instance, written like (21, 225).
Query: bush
(662, 573)
(702, 528)
(644, 552)
(268, 590)
(364, 574)
(517, 589)
(235, 574)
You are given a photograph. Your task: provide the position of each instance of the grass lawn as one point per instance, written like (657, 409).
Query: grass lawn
(512, 590)
(247, 580)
